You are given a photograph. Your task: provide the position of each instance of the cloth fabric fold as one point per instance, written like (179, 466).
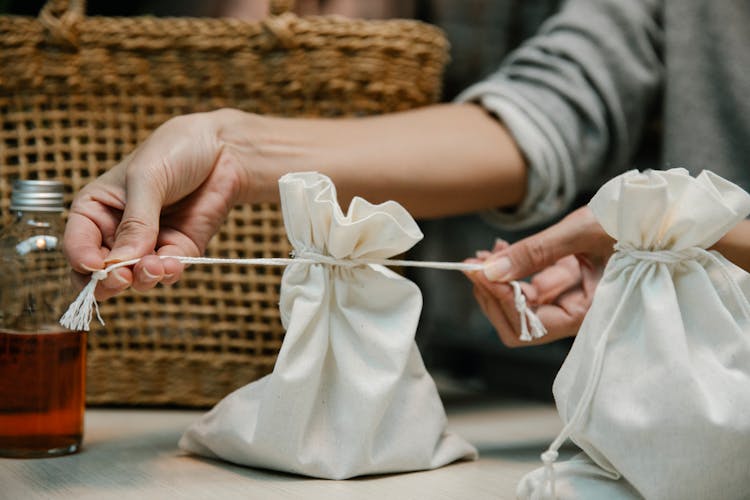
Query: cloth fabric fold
(655, 388)
(349, 394)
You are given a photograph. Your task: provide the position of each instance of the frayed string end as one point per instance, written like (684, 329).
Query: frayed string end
(80, 312)
(531, 326)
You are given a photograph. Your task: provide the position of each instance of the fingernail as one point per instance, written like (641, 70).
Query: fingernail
(115, 282)
(168, 276)
(121, 279)
(89, 269)
(498, 269)
(149, 276)
(119, 255)
(499, 244)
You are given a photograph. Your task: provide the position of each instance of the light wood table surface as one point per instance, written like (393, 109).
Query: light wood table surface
(133, 454)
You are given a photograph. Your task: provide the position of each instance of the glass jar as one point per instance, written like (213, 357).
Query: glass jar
(42, 365)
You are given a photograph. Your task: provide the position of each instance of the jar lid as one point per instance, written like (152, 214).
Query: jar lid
(39, 196)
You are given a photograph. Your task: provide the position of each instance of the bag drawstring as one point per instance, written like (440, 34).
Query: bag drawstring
(739, 295)
(550, 455)
(80, 313)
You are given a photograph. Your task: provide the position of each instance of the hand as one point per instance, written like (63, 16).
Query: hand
(568, 258)
(168, 197)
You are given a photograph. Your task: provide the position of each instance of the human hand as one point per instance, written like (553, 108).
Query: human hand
(568, 259)
(168, 197)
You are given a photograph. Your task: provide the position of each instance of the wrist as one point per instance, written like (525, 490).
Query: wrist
(245, 146)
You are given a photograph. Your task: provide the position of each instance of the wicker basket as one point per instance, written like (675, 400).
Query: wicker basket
(77, 93)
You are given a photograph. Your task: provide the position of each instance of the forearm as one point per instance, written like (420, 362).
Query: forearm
(735, 245)
(440, 160)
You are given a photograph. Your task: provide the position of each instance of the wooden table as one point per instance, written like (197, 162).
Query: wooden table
(133, 454)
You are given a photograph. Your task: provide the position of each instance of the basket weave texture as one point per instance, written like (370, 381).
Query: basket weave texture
(78, 93)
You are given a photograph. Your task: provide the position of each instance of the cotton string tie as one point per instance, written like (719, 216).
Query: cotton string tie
(80, 312)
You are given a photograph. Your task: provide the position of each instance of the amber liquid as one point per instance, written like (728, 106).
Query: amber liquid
(42, 392)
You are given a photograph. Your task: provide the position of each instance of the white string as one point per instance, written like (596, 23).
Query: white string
(527, 316)
(550, 455)
(80, 313)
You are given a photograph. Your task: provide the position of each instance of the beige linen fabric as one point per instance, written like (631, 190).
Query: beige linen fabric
(349, 394)
(656, 388)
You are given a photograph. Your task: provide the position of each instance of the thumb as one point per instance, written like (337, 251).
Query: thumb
(138, 230)
(532, 254)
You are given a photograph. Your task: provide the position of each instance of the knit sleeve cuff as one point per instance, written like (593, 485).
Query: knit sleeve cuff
(551, 181)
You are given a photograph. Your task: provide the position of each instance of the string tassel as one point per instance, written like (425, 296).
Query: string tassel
(531, 326)
(79, 314)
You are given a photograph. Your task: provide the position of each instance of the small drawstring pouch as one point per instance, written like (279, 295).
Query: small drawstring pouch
(655, 387)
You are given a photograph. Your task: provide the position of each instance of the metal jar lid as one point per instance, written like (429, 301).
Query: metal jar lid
(38, 196)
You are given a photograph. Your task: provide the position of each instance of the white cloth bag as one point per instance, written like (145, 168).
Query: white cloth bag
(656, 388)
(349, 394)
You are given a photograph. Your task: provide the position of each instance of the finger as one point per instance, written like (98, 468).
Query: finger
(117, 281)
(561, 319)
(500, 245)
(530, 292)
(576, 304)
(82, 244)
(173, 268)
(578, 232)
(175, 243)
(139, 227)
(483, 254)
(531, 254)
(564, 318)
(471, 274)
(554, 280)
(503, 304)
(147, 273)
(496, 317)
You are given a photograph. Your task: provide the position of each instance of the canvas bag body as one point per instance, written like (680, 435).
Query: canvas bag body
(349, 394)
(666, 344)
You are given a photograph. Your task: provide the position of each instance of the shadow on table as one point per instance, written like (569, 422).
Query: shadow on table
(522, 453)
(526, 452)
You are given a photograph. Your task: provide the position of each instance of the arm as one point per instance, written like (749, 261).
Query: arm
(576, 98)
(436, 161)
(735, 245)
(172, 193)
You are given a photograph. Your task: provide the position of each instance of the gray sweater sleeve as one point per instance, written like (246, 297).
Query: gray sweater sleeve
(575, 98)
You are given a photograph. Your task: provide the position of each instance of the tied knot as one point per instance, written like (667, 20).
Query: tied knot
(549, 457)
(99, 275)
(520, 300)
(531, 326)
(320, 258)
(662, 256)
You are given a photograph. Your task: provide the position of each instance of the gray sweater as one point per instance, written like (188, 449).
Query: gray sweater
(579, 97)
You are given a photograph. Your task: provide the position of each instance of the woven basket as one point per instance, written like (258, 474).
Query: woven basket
(77, 93)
